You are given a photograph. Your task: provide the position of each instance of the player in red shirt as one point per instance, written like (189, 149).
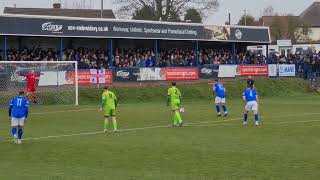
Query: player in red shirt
(32, 81)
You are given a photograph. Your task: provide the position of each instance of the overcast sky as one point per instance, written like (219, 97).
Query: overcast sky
(235, 7)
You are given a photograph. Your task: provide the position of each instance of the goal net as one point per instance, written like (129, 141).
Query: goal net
(56, 81)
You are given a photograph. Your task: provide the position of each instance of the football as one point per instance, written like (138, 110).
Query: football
(182, 110)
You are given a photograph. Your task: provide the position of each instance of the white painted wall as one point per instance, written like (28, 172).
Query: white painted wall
(315, 34)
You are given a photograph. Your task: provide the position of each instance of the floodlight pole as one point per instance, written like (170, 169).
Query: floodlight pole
(245, 17)
(101, 12)
(5, 48)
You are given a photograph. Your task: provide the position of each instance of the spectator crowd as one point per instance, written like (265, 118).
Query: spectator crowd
(135, 57)
(175, 57)
(307, 65)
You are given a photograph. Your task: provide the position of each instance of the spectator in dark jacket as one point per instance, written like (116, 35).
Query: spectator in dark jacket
(250, 82)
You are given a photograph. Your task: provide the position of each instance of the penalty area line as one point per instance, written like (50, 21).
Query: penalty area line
(263, 124)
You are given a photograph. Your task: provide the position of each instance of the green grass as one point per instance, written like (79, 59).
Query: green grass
(202, 91)
(286, 146)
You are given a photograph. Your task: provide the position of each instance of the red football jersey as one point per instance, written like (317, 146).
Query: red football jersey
(31, 79)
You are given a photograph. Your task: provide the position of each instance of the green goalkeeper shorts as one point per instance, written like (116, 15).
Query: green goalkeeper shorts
(109, 112)
(175, 106)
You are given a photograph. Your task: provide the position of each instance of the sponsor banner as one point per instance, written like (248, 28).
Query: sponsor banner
(284, 43)
(94, 76)
(125, 75)
(239, 34)
(76, 27)
(16, 80)
(272, 70)
(208, 72)
(227, 71)
(151, 74)
(287, 70)
(256, 70)
(54, 78)
(181, 74)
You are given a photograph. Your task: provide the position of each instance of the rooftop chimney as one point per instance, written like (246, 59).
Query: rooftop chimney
(56, 6)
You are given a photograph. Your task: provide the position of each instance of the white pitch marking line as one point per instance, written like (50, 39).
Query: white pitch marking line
(80, 110)
(283, 122)
(292, 122)
(165, 126)
(54, 112)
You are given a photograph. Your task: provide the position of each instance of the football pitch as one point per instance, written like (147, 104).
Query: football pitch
(66, 143)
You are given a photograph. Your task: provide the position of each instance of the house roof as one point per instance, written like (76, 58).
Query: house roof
(311, 15)
(268, 20)
(85, 13)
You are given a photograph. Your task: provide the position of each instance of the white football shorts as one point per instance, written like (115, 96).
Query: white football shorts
(219, 100)
(252, 106)
(17, 121)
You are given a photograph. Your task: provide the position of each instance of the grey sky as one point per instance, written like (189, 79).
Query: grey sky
(235, 7)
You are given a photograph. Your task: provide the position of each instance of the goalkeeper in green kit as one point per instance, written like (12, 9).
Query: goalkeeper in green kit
(109, 104)
(174, 99)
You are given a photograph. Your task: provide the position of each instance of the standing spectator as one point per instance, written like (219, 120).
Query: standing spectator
(314, 69)
(305, 69)
(149, 61)
(250, 82)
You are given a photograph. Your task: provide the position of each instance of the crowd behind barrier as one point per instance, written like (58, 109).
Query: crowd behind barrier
(135, 57)
(307, 65)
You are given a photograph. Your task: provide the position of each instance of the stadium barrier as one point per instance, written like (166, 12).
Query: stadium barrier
(108, 76)
(252, 70)
(125, 75)
(94, 76)
(287, 70)
(209, 72)
(272, 70)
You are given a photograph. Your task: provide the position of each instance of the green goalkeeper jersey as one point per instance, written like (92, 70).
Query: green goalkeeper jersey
(109, 100)
(175, 94)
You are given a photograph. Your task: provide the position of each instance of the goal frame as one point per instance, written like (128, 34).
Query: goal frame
(53, 62)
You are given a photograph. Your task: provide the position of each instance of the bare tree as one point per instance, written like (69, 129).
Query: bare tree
(268, 11)
(289, 27)
(248, 20)
(166, 10)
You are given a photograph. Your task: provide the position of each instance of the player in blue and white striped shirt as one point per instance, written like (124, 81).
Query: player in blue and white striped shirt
(18, 114)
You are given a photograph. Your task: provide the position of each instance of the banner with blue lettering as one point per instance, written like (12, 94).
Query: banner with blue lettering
(287, 70)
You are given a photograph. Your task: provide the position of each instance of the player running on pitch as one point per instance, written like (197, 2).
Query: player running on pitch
(174, 99)
(31, 81)
(18, 114)
(250, 97)
(109, 104)
(220, 100)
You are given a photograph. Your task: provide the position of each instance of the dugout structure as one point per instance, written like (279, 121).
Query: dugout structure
(61, 32)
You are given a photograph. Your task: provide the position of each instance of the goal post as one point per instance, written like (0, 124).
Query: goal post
(57, 83)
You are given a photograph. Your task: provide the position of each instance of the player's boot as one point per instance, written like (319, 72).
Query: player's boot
(15, 139)
(245, 123)
(105, 130)
(257, 123)
(219, 115)
(181, 124)
(225, 114)
(19, 141)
